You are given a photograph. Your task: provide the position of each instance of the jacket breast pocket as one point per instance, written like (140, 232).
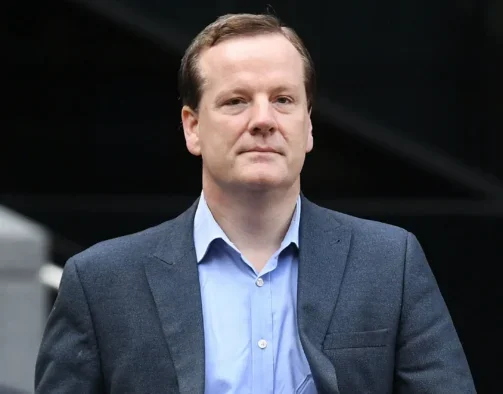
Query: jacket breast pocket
(363, 360)
(356, 339)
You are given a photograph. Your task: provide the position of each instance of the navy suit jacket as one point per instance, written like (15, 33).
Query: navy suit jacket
(128, 316)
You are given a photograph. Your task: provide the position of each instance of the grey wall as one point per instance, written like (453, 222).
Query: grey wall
(23, 249)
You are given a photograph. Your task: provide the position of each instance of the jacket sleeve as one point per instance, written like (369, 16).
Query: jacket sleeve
(429, 355)
(68, 359)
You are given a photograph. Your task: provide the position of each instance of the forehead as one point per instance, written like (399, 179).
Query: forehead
(266, 58)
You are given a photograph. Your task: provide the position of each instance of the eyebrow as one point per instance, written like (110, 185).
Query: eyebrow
(285, 87)
(243, 90)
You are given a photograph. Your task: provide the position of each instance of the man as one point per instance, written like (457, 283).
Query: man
(254, 289)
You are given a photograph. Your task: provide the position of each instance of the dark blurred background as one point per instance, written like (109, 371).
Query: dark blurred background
(408, 128)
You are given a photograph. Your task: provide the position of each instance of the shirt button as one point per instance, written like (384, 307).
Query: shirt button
(262, 344)
(260, 282)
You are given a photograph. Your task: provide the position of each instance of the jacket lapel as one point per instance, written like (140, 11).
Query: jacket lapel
(324, 246)
(173, 278)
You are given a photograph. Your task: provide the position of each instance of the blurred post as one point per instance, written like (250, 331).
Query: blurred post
(23, 250)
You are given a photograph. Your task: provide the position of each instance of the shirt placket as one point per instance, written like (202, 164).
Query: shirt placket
(262, 336)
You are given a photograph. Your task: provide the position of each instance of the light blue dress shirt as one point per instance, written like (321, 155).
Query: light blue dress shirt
(252, 343)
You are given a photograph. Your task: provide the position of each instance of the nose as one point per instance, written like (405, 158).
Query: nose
(263, 118)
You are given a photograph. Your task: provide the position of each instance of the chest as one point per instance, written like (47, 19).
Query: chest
(251, 333)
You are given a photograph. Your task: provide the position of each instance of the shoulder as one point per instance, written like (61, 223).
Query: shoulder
(368, 234)
(126, 245)
(119, 254)
(129, 251)
(360, 226)
(370, 228)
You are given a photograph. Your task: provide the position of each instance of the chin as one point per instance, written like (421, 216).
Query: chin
(263, 181)
(260, 186)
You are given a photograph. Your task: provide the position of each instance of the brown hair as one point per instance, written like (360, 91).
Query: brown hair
(229, 26)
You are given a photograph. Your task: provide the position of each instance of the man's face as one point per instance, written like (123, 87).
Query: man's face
(253, 126)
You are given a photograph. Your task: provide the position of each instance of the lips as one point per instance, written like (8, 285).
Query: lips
(262, 150)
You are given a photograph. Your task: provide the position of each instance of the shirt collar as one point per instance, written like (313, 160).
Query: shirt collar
(206, 229)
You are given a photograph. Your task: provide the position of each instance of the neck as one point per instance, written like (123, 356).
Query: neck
(253, 220)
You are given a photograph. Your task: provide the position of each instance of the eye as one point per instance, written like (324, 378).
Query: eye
(284, 100)
(234, 101)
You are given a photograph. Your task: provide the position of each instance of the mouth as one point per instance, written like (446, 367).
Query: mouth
(261, 150)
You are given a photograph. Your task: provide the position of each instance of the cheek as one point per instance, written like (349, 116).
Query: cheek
(298, 135)
(219, 135)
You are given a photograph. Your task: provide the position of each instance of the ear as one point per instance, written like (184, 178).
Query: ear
(310, 142)
(190, 121)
